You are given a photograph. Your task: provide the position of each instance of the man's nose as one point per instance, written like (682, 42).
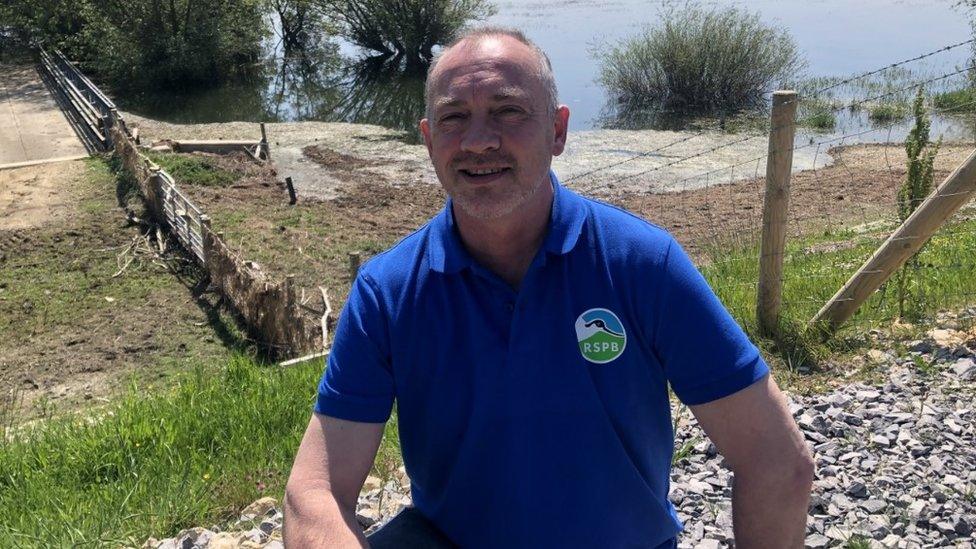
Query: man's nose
(482, 136)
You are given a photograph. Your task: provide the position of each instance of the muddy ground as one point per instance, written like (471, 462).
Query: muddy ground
(86, 301)
(379, 199)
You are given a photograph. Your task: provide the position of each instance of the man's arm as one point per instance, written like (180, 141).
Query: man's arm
(320, 498)
(773, 468)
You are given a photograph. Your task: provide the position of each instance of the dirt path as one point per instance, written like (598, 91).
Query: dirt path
(32, 127)
(35, 196)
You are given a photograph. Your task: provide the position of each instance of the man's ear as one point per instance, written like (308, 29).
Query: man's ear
(425, 131)
(560, 128)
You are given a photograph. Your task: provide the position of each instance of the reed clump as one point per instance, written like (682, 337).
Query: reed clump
(701, 61)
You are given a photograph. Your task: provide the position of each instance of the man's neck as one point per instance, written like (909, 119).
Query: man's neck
(507, 245)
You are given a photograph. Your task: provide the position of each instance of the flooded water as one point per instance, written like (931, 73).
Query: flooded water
(838, 38)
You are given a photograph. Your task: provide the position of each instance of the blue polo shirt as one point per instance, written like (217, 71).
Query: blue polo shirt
(537, 417)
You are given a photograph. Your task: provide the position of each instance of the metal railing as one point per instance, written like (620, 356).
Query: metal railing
(93, 113)
(185, 220)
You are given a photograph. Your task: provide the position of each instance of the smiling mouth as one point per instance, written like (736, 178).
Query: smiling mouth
(483, 172)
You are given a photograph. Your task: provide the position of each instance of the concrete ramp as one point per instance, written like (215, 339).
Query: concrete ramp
(32, 127)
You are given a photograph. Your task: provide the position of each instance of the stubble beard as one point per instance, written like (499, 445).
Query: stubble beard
(492, 202)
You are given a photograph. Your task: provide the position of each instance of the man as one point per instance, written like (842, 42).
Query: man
(529, 337)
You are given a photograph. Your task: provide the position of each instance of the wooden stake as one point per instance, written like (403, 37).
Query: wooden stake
(292, 198)
(206, 237)
(355, 260)
(264, 143)
(304, 358)
(776, 205)
(952, 194)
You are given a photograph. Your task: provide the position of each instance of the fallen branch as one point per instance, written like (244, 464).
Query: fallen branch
(124, 267)
(303, 358)
(325, 318)
(160, 241)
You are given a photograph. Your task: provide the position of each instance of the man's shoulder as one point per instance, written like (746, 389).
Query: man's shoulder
(401, 262)
(616, 229)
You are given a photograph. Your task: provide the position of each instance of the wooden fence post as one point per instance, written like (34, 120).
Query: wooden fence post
(206, 238)
(265, 148)
(108, 122)
(155, 200)
(355, 259)
(779, 165)
(292, 198)
(952, 194)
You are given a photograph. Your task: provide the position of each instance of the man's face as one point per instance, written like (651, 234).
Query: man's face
(491, 135)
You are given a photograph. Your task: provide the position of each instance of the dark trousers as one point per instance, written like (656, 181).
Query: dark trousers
(411, 530)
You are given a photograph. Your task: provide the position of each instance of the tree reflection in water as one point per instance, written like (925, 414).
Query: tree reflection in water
(316, 83)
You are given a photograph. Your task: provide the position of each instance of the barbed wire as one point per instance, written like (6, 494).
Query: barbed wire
(795, 147)
(833, 110)
(891, 66)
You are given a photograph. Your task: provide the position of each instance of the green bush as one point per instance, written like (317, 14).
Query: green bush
(408, 28)
(916, 187)
(956, 101)
(141, 43)
(701, 61)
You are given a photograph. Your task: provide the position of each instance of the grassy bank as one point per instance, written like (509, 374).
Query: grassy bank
(225, 436)
(817, 266)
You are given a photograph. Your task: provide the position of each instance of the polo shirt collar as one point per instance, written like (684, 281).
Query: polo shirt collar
(446, 252)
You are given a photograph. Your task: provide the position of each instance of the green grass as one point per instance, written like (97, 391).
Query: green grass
(157, 463)
(857, 542)
(962, 100)
(817, 115)
(887, 112)
(193, 170)
(816, 267)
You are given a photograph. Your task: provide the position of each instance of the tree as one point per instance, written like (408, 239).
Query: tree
(137, 43)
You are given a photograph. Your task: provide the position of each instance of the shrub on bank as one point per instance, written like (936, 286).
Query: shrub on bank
(702, 61)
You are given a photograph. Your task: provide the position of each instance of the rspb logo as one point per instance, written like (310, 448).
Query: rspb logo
(601, 335)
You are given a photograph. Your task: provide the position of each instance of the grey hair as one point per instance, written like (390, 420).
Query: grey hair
(477, 33)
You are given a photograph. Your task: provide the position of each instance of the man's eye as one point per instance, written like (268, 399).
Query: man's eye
(508, 111)
(452, 117)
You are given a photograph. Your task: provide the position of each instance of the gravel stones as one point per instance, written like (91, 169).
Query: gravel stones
(896, 461)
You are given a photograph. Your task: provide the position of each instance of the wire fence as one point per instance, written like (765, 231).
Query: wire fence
(709, 189)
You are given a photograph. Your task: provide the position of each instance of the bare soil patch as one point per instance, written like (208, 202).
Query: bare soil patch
(312, 240)
(37, 195)
(74, 324)
(336, 160)
(859, 188)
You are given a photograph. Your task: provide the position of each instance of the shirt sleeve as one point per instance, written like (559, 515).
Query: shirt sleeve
(704, 352)
(357, 384)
